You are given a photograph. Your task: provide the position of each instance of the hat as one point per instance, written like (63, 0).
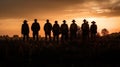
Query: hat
(56, 21)
(47, 20)
(35, 19)
(25, 20)
(73, 21)
(84, 20)
(64, 20)
(93, 22)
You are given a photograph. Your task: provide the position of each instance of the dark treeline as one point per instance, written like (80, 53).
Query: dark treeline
(66, 33)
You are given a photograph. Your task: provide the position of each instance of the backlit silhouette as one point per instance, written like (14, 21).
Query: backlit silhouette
(25, 30)
(56, 31)
(64, 31)
(73, 30)
(93, 30)
(35, 28)
(85, 30)
(47, 29)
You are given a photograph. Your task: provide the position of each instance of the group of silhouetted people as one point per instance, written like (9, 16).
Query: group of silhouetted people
(86, 31)
(57, 30)
(35, 28)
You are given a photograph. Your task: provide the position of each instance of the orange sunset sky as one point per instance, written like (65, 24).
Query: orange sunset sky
(106, 13)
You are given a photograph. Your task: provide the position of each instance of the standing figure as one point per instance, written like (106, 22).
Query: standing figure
(35, 28)
(73, 30)
(64, 30)
(85, 30)
(93, 30)
(25, 30)
(47, 29)
(56, 31)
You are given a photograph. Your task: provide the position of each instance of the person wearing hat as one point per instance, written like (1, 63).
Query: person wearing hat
(85, 30)
(25, 30)
(64, 30)
(56, 31)
(35, 28)
(93, 30)
(73, 30)
(47, 29)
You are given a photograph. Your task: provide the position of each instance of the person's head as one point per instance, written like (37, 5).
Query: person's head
(93, 22)
(84, 20)
(73, 21)
(35, 20)
(25, 21)
(47, 20)
(64, 21)
(56, 22)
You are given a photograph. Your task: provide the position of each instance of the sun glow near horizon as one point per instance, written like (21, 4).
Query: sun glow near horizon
(112, 24)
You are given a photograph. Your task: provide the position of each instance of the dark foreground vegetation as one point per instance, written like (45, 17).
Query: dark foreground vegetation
(104, 51)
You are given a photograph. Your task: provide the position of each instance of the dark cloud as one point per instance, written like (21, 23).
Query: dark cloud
(29, 8)
(18, 8)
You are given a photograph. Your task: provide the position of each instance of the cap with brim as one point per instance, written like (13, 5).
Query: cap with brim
(73, 21)
(64, 20)
(25, 20)
(84, 20)
(93, 22)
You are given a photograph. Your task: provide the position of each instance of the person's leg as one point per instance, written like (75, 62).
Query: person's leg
(91, 36)
(71, 35)
(66, 36)
(57, 38)
(75, 35)
(27, 36)
(88, 36)
(50, 36)
(23, 37)
(37, 36)
(62, 37)
(45, 36)
(94, 35)
(54, 37)
(33, 36)
(83, 37)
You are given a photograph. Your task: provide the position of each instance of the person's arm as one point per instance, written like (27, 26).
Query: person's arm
(32, 27)
(22, 29)
(28, 29)
(44, 27)
(39, 26)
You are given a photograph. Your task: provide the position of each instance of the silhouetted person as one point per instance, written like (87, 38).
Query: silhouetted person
(93, 30)
(25, 30)
(35, 28)
(47, 29)
(64, 30)
(56, 31)
(85, 30)
(73, 30)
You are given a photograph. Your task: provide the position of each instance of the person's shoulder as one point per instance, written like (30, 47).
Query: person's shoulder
(72, 24)
(33, 23)
(61, 24)
(45, 23)
(48, 23)
(37, 23)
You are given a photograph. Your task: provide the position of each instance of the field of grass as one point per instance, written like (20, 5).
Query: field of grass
(102, 51)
